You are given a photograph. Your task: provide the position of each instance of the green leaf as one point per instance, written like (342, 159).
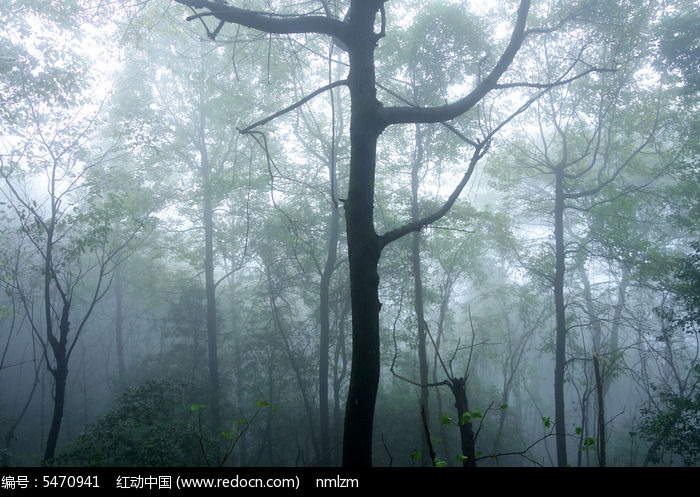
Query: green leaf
(462, 457)
(440, 464)
(578, 430)
(416, 455)
(503, 406)
(546, 421)
(197, 407)
(446, 420)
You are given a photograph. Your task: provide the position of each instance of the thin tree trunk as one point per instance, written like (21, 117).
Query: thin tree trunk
(298, 374)
(340, 369)
(418, 303)
(560, 309)
(119, 329)
(324, 342)
(238, 372)
(447, 291)
(601, 410)
(209, 284)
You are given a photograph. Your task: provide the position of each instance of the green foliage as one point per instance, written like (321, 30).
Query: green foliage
(688, 291)
(40, 62)
(416, 456)
(684, 313)
(679, 44)
(675, 425)
(546, 421)
(149, 426)
(432, 49)
(468, 416)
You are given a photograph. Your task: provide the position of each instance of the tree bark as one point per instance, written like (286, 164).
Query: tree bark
(60, 375)
(363, 243)
(599, 382)
(560, 310)
(466, 431)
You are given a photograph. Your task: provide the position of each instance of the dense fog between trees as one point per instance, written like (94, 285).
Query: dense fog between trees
(349, 233)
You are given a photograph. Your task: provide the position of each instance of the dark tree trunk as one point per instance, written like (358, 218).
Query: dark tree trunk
(560, 310)
(600, 379)
(466, 431)
(601, 410)
(445, 298)
(364, 246)
(60, 375)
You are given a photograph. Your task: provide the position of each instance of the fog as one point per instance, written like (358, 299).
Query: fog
(349, 234)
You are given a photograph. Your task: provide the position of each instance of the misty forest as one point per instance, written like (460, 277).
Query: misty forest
(349, 233)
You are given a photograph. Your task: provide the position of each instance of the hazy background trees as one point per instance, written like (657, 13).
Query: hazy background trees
(176, 292)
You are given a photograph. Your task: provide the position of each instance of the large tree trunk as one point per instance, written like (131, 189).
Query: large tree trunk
(364, 246)
(60, 375)
(466, 431)
(560, 309)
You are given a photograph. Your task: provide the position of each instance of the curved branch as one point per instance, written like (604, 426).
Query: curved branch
(397, 115)
(397, 233)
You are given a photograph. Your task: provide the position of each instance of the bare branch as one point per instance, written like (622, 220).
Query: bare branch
(335, 84)
(268, 22)
(559, 82)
